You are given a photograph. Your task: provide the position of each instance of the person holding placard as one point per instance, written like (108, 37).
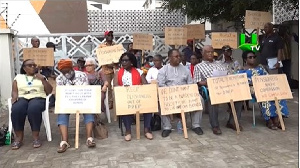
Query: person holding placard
(176, 74)
(268, 109)
(188, 50)
(69, 77)
(96, 78)
(207, 69)
(29, 92)
(153, 71)
(108, 70)
(127, 76)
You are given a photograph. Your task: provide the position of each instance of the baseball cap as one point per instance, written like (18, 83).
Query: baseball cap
(226, 47)
(189, 41)
(107, 32)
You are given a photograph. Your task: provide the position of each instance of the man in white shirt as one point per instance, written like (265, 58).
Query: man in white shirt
(153, 71)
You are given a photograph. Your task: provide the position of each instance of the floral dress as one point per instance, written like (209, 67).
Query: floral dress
(268, 108)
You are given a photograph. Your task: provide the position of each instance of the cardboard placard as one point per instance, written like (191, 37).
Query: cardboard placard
(230, 87)
(257, 19)
(85, 99)
(219, 39)
(141, 98)
(267, 87)
(175, 35)
(109, 54)
(143, 41)
(175, 99)
(41, 56)
(195, 31)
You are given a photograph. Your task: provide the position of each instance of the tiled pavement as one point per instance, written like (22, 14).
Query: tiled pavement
(254, 147)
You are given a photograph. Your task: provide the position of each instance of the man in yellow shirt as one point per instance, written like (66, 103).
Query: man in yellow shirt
(108, 70)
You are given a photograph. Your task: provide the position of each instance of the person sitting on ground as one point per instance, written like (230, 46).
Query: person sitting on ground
(29, 91)
(129, 75)
(96, 78)
(80, 65)
(268, 108)
(70, 77)
(176, 74)
(153, 71)
(147, 65)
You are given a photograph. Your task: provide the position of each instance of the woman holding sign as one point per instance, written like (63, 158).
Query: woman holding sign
(29, 92)
(129, 75)
(268, 108)
(70, 77)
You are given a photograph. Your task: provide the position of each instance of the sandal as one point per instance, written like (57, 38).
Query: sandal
(36, 143)
(63, 146)
(149, 135)
(271, 125)
(90, 142)
(127, 137)
(16, 145)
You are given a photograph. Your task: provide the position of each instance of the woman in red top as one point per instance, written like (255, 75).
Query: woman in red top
(129, 75)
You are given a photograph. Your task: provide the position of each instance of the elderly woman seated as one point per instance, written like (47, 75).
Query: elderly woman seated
(268, 108)
(29, 92)
(70, 77)
(96, 78)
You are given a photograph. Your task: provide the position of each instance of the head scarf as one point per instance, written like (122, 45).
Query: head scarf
(65, 63)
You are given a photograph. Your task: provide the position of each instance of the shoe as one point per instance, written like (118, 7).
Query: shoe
(271, 125)
(36, 143)
(217, 131)
(232, 126)
(16, 145)
(127, 137)
(198, 131)
(90, 142)
(149, 136)
(166, 133)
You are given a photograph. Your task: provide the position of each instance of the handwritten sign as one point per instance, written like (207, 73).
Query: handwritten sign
(141, 98)
(226, 88)
(175, 35)
(257, 19)
(41, 56)
(109, 54)
(196, 31)
(268, 87)
(85, 99)
(143, 41)
(218, 40)
(174, 99)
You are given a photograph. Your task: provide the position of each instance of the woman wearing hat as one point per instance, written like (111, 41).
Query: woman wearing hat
(70, 77)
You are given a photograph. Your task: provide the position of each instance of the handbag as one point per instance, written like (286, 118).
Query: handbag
(99, 129)
(155, 123)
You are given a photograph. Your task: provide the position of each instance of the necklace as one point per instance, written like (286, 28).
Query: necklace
(29, 83)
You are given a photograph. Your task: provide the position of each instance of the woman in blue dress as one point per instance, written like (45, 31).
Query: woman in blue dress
(268, 108)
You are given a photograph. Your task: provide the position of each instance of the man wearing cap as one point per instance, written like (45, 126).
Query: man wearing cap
(227, 61)
(80, 65)
(70, 77)
(188, 51)
(108, 70)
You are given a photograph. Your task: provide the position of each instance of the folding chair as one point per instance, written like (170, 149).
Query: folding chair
(45, 116)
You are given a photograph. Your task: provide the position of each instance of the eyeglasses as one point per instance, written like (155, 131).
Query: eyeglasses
(125, 60)
(89, 65)
(31, 65)
(251, 57)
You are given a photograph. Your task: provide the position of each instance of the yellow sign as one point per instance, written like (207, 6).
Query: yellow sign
(109, 54)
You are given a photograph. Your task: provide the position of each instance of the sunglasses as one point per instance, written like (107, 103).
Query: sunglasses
(125, 60)
(251, 57)
(31, 65)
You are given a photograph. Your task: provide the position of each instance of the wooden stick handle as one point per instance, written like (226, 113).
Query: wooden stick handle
(77, 130)
(138, 125)
(237, 126)
(279, 114)
(184, 125)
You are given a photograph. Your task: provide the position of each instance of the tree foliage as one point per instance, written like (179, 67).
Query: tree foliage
(216, 10)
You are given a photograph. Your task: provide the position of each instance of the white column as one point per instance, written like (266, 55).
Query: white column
(7, 69)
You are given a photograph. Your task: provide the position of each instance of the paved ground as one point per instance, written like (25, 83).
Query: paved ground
(254, 147)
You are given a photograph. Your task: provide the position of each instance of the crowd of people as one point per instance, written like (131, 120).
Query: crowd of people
(31, 86)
